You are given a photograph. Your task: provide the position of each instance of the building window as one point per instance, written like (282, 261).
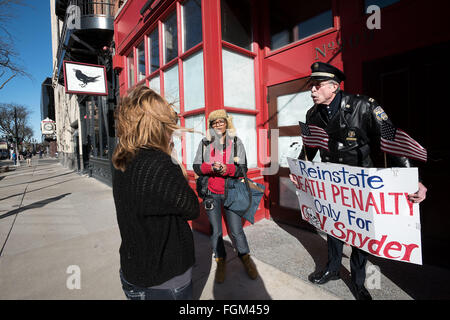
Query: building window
(380, 3)
(177, 144)
(103, 128)
(154, 84)
(95, 129)
(194, 87)
(130, 66)
(172, 87)
(192, 24)
(246, 130)
(197, 123)
(288, 197)
(170, 38)
(140, 52)
(297, 21)
(291, 108)
(237, 22)
(238, 80)
(153, 49)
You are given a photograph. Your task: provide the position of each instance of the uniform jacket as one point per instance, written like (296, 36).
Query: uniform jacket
(354, 133)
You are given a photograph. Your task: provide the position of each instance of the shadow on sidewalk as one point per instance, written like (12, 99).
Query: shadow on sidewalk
(38, 204)
(419, 282)
(29, 191)
(25, 182)
(237, 285)
(202, 267)
(317, 248)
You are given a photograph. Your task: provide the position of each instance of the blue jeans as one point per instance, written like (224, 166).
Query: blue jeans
(133, 292)
(234, 222)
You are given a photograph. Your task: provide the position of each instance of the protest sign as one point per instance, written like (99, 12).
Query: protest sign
(367, 208)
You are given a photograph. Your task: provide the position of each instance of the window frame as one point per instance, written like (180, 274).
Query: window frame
(235, 47)
(131, 76)
(336, 27)
(164, 21)
(138, 65)
(182, 24)
(149, 49)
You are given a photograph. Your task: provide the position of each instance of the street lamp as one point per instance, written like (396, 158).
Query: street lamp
(17, 137)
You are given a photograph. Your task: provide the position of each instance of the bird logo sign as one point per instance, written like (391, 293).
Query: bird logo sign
(85, 79)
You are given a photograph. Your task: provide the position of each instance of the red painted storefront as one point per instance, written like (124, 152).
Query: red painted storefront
(414, 34)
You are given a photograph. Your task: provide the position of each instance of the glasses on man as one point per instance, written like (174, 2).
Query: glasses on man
(316, 84)
(218, 123)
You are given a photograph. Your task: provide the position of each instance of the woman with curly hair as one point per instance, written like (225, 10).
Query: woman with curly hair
(153, 201)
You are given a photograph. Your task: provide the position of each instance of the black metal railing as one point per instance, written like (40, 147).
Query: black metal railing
(98, 7)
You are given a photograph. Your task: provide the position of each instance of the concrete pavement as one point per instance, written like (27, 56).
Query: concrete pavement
(56, 224)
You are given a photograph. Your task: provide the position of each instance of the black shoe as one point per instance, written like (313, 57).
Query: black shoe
(361, 293)
(324, 276)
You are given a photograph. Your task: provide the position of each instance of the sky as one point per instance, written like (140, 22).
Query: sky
(31, 31)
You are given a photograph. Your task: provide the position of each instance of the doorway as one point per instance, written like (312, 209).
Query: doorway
(288, 104)
(410, 87)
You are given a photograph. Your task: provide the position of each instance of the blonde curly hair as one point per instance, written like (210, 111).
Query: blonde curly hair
(144, 119)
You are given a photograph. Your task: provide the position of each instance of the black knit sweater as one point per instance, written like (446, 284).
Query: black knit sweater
(153, 204)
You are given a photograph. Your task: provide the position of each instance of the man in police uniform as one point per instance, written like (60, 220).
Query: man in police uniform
(353, 123)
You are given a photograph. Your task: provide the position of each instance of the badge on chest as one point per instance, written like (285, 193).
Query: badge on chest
(351, 135)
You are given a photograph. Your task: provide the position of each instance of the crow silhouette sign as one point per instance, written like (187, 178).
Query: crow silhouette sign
(84, 78)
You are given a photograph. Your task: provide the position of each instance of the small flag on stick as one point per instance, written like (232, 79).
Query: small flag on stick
(313, 136)
(397, 142)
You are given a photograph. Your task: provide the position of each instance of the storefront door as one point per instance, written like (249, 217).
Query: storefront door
(288, 104)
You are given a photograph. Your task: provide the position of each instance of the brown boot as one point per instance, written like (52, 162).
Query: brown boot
(220, 271)
(249, 266)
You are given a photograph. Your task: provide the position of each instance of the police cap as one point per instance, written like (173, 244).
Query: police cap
(321, 71)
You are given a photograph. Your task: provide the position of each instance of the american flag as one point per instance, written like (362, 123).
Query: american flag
(314, 136)
(397, 142)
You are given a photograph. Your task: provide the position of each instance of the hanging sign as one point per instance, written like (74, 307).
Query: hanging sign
(88, 79)
(48, 127)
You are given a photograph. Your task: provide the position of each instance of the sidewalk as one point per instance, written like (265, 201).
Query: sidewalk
(52, 219)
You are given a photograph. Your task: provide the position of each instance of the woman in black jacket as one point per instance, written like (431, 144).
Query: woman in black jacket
(153, 201)
(220, 157)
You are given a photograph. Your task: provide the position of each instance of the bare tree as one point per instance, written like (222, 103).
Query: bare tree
(14, 121)
(8, 65)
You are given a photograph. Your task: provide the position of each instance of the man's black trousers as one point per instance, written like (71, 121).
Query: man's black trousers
(358, 260)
